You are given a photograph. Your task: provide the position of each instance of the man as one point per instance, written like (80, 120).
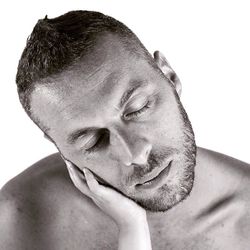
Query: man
(109, 106)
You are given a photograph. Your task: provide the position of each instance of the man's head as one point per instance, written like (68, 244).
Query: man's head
(91, 86)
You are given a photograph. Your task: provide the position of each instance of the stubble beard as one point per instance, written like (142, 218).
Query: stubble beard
(179, 182)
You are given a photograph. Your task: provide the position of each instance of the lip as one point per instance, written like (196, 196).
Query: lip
(155, 178)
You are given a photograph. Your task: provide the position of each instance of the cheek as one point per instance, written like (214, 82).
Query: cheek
(102, 166)
(167, 118)
(167, 129)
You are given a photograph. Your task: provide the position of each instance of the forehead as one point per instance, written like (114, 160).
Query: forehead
(91, 87)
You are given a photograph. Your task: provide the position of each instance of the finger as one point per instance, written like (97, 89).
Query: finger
(77, 178)
(93, 184)
(74, 169)
(99, 191)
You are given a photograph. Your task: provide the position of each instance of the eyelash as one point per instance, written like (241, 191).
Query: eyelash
(138, 112)
(102, 139)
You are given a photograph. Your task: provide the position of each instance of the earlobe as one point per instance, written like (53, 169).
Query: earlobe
(166, 69)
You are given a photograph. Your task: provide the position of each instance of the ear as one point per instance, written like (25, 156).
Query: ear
(47, 137)
(166, 69)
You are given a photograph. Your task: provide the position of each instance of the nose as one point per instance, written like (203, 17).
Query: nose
(129, 147)
(140, 153)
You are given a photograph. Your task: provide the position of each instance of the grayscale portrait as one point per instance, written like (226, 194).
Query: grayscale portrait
(127, 171)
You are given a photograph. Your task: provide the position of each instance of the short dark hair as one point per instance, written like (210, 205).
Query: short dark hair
(55, 44)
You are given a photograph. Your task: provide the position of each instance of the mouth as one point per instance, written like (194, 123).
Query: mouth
(155, 178)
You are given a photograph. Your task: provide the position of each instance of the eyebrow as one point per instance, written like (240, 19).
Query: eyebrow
(74, 136)
(129, 92)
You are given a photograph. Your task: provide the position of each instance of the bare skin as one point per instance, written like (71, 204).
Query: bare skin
(130, 218)
(42, 209)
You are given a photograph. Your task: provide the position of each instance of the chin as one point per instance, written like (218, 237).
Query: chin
(177, 188)
(165, 199)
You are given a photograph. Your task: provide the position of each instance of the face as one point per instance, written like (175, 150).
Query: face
(118, 116)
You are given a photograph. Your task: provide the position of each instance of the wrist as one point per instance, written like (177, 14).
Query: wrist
(135, 236)
(134, 223)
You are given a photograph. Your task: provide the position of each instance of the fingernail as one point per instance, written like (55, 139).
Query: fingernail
(68, 165)
(87, 172)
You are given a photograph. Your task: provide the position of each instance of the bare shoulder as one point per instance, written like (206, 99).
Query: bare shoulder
(23, 201)
(227, 182)
(224, 162)
(229, 169)
(41, 209)
(43, 180)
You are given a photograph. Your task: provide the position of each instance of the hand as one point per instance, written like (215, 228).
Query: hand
(122, 210)
(131, 219)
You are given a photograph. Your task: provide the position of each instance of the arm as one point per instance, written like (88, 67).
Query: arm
(135, 237)
(130, 218)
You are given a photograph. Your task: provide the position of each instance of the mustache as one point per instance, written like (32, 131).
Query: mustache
(155, 160)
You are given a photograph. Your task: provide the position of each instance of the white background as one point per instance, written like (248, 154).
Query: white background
(207, 43)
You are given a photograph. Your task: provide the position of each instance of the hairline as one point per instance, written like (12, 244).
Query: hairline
(140, 51)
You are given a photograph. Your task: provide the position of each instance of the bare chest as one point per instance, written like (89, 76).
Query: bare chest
(227, 227)
(223, 227)
(217, 231)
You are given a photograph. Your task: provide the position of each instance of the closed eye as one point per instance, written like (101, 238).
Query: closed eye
(102, 139)
(138, 112)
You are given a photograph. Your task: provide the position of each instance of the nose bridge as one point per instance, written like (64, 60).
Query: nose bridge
(133, 148)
